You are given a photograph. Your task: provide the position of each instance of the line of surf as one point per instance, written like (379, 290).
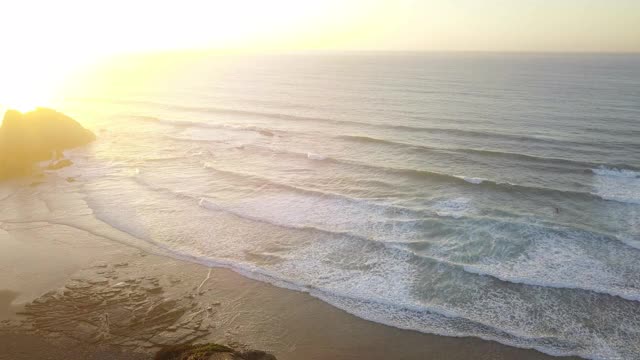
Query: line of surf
(476, 269)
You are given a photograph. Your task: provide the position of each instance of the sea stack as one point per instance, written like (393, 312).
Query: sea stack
(38, 135)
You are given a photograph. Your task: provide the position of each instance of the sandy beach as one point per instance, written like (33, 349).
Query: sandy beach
(70, 289)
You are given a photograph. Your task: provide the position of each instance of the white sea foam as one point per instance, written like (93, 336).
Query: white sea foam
(313, 156)
(472, 180)
(553, 260)
(565, 263)
(340, 216)
(605, 171)
(617, 185)
(456, 207)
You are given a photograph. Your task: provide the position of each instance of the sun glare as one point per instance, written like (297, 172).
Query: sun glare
(70, 33)
(31, 72)
(27, 84)
(24, 93)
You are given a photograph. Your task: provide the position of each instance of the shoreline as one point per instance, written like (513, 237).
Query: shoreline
(68, 280)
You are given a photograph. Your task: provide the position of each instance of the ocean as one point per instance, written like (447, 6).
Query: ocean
(461, 194)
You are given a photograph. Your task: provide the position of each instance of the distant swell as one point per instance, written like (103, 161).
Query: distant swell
(297, 189)
(407, 128)
(460, 179)
(464, 180)
(575, 165)
(598, 169)
(186, 123)
(580, 165)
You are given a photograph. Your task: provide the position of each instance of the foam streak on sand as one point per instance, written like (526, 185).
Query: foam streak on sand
(205, 280)
(313, 156)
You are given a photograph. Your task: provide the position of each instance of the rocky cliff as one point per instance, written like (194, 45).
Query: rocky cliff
(34, 136)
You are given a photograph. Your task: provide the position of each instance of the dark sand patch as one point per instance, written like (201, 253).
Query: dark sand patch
(101, 306)
(24, 346)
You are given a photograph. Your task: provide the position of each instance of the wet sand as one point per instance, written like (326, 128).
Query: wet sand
(71, 288)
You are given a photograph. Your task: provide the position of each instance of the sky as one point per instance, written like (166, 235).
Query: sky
(43, 40)
(86, 27)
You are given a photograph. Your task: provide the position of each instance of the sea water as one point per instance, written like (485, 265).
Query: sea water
(486, 195)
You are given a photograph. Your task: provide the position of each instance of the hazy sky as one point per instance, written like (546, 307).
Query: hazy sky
(45, 41)
(85, 27)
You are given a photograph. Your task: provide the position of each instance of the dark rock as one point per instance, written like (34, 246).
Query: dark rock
(209, 352)
(195, 352)
(223, 356)
(37, 135)
(257, 355)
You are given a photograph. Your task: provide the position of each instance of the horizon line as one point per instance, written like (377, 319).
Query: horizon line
(363, 51)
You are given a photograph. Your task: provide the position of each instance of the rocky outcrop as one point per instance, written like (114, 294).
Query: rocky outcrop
(37, 135)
